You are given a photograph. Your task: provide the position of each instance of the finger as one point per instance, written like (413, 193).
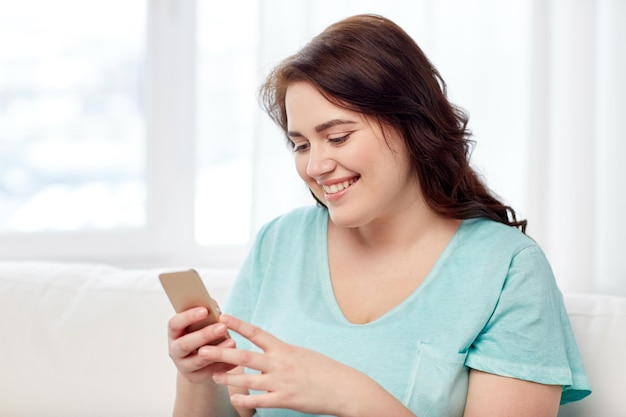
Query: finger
(227, 343)
(255, 334)
(238, 357)
(189, 343)
(178, 324)
(204, 373)
(257, 382)
(265, 400)
(195, 363)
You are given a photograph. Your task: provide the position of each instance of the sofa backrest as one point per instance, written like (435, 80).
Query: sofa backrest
(599, 323)
(86, 340)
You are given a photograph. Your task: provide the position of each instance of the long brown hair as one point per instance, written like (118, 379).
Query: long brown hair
(368, 64)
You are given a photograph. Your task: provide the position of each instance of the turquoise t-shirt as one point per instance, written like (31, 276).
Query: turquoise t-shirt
(490, 303)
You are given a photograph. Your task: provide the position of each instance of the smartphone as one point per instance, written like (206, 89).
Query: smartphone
(186, 290)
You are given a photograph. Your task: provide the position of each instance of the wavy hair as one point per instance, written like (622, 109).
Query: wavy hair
(368, 64)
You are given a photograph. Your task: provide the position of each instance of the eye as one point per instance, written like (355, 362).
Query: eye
(300, 147)
(339, 140)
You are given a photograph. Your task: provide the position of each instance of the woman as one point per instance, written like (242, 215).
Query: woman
(409, 290)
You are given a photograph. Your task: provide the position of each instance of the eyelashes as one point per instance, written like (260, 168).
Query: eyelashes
(338, 141)
(304, 146)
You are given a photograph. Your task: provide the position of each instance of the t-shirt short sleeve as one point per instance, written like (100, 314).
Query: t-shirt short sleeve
(528, 335)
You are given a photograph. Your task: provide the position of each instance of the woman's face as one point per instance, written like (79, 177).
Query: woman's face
(359, 173)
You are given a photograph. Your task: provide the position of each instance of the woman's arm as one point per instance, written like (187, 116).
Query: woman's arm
(303, 380)
(197, 394)
(492, 395)
(298, 379)
(361, 396)
(208, 399)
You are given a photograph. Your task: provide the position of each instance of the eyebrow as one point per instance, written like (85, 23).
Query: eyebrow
(322, 127)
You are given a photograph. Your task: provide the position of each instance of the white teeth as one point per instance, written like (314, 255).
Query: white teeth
(335, 188)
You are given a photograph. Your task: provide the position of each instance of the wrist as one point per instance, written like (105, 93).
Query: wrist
(200, 398)
(366, 397)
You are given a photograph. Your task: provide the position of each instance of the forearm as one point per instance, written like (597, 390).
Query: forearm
(202, 400)
(366, 398)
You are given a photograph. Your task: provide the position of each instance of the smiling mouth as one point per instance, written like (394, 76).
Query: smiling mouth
(340, 186)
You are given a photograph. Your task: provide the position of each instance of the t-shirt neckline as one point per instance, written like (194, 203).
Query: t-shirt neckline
(329, 293)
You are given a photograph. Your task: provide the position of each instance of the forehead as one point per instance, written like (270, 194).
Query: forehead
(306, 106)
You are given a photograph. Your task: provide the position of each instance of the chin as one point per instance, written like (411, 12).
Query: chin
(343, 219)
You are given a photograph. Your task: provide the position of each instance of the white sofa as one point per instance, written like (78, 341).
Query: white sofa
(85, 340)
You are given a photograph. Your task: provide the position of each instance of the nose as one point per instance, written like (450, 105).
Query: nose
(320, 162)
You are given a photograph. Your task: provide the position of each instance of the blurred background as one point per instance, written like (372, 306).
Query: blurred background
(130, 131)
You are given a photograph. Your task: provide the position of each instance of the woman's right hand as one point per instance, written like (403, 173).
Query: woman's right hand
(183, 346)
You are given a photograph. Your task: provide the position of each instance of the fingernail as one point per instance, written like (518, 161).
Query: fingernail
(220, 328)
(201, 313)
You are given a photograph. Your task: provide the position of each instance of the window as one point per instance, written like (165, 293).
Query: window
(119, 122)
(97, 134)
(72, 122)
(226, 112)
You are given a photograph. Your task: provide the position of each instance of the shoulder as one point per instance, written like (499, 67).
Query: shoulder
(483, 234)
(284, 241)
(490, 255)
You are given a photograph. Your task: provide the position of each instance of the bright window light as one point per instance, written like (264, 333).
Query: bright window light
(227, 108)
(72, 124)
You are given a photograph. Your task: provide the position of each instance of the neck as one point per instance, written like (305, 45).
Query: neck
(413, 225)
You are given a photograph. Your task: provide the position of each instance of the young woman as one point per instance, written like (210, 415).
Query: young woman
(409, 289)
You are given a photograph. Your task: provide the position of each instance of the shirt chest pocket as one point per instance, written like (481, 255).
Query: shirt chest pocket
(438, 385)
(428, 382)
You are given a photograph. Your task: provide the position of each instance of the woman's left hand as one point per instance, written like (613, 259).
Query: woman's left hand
(290, 377)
